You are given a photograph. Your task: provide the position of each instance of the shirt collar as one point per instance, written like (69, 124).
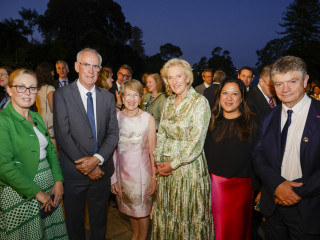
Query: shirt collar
(83, 90)
(299, 106)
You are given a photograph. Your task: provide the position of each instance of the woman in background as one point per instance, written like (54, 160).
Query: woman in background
(228, 151)
(183, 205)
(4, 77)
(44, 100)
(104, 80)
(134, 180)
(153, 100)
(316, 92)
(30, 173)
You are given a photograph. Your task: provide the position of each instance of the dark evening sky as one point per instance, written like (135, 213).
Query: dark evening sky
(197, 27)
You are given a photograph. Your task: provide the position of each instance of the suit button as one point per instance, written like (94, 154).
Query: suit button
(91, 137)
(91, 154)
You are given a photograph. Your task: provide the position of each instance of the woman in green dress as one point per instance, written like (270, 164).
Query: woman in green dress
(30, 173)
(183, 206)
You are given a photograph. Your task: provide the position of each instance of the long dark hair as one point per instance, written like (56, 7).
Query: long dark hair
(44, 73)
(243, 128)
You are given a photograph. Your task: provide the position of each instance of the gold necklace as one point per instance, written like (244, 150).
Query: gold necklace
(132, 115)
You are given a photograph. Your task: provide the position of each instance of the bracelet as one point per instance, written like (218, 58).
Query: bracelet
(119, 105)
(154, 177)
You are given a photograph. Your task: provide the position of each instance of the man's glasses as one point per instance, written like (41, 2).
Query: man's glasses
(86, 66)
(123, 75)
(23, 89)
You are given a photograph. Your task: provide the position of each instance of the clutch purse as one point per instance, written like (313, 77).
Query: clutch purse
(44, 214)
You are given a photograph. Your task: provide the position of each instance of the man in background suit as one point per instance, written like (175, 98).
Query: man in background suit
(260, 99)
(246, 76)
(207, 77)
(210, 92)
(286, 156)
(86, 129)
(124, 74)
(62, 70)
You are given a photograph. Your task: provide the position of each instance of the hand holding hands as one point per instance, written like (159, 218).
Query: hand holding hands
(87, 164)
(164, 168)
(96, 174)
(285, 195)
(57, 190)
(45, 199)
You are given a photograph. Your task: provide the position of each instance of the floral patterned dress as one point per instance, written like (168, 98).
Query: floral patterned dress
(183, 206)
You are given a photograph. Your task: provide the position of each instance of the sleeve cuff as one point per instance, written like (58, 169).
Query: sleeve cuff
(101, 159)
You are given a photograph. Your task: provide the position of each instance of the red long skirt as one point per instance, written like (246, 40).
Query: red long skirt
(232, 202)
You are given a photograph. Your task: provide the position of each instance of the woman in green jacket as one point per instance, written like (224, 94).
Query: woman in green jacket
(30, 173)
(153, 100)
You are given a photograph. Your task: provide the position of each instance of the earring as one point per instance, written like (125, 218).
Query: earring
(10, 94)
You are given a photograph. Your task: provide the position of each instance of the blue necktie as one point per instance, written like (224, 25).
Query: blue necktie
(284, 133)
(90, 113)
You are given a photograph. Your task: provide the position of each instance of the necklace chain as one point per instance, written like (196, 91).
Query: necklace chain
(132, 115)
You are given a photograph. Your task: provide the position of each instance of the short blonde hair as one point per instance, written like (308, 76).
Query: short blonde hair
(102, 79)
(18, 73)
(132, 84)
(177, 62)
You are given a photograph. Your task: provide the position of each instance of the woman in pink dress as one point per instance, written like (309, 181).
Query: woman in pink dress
(134, 180)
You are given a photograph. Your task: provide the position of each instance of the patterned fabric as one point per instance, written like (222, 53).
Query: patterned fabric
(133, 165)
(183, 206)
(20, 219)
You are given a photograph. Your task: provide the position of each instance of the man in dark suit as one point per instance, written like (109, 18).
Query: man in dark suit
(62, 70)
(207, 77)
(210, 92)
(246, 76)
(86, 129)
(286, 156)
(124, 74)
(260, 99)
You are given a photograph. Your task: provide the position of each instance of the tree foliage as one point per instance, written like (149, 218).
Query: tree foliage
(136, 42)
(169, 51)
(301, 37)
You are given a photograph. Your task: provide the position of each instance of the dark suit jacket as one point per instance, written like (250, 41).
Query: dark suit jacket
(258, 103)
(113, 90)
(56, 83)
(73, 131)
(210, 94)
(267, 163)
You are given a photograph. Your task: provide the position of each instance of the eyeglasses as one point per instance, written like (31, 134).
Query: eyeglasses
(124, 75)
(3, 74)
(86, 66)
(134, 95)
(23, 89)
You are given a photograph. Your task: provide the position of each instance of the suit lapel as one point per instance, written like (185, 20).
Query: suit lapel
(77, 98)
(276, 125)
(312, 123)
(99, 102)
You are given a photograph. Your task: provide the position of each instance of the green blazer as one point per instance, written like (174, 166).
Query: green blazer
(20, 152)
(156, 106)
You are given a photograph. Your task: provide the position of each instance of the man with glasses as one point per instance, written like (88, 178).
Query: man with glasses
(124, 74)
(207, 77)
(86, 129)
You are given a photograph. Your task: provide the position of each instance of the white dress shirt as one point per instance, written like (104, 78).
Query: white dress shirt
(83, 93)
(291, 167)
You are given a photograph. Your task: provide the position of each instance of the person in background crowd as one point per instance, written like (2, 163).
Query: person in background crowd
(124, 74)
(228, 152)
(316, 92)
(104, 80)
(207, 81)
(246, 76)
(30, 175)
(153, 100)
(86, 130)
(134, 180)
(260, 99)
(4, 77)
(210, 92)
(183, 205)
(62, 70)
(286, 156)
(44, 100)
